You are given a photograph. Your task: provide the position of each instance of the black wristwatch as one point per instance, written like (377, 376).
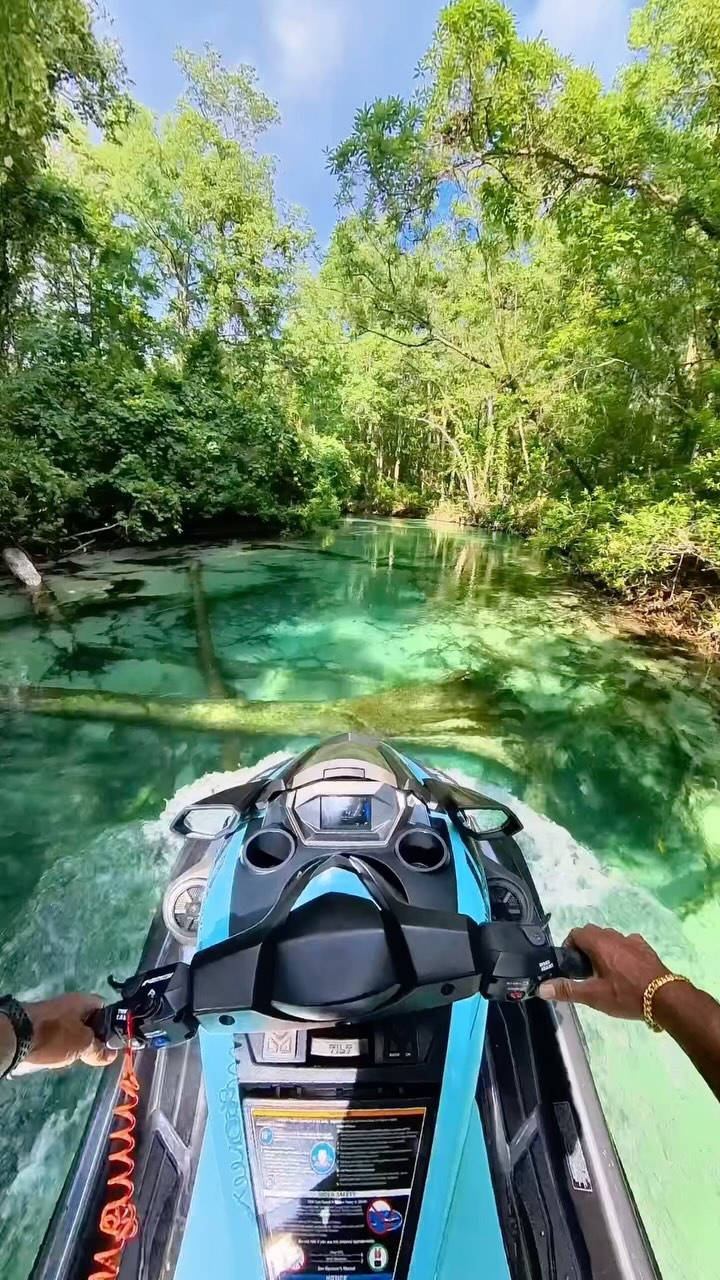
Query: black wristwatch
(22, 1026)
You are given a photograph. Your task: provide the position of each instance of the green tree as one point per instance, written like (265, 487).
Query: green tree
(200, 202)
(148, 334)
(587, 224)
(52, 68)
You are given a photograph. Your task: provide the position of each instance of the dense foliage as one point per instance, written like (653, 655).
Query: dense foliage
(551, 249)
(143, 288)
(517, 321)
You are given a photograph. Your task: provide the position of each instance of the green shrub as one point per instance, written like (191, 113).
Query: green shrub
(386, 498)
(331, 462)
(90, 441)
(628, 548)
(321, 510)
(38, 500)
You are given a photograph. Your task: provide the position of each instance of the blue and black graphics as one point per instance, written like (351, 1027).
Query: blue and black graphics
(508, 1177)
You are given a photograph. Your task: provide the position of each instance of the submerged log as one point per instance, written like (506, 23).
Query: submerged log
(447, 713)
(215, 683)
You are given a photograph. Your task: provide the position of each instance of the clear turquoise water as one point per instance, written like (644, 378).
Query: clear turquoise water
(613, 741)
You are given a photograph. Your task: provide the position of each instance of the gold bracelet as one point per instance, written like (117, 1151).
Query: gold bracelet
(650, 991)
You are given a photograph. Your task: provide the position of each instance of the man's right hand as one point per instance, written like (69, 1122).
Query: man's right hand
(623, 968)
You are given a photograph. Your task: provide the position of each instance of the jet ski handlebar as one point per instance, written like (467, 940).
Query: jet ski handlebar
(335, 959)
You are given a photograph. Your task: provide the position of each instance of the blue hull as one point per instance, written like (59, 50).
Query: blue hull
(512, 1174)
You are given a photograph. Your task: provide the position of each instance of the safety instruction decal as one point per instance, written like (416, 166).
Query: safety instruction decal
(333, 1185)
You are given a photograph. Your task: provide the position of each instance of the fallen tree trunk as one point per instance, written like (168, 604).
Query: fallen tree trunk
(445, 713)
(22, 567)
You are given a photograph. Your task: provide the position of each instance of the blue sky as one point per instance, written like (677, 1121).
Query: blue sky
(321, 59)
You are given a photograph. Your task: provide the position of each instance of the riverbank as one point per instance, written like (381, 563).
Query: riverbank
(681, 605)
(688, 618)
(673, 593)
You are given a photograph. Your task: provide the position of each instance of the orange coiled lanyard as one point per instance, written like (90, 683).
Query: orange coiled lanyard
(119, 1220)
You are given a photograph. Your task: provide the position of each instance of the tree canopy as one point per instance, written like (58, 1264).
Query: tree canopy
(559, 244)
(516, 322)
(143, 351)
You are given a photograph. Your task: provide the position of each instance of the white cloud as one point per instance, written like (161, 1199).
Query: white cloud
(591, 31)
(309, 39)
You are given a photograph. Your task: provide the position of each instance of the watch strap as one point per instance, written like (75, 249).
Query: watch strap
(22, 1026)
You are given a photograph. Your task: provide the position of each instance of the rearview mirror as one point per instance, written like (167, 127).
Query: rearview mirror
(484, 822)
(479, 815)
(207, 821)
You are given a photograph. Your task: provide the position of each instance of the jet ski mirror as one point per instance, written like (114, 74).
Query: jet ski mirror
(484, 822)
(476, 815)
(207, 821)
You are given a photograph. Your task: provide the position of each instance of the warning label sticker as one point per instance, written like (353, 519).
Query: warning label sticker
(333, 1185)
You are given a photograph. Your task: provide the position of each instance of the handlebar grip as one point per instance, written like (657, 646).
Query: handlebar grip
(573, 963)
(102, 1022)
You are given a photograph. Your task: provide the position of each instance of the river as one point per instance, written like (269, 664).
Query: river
(486, 662)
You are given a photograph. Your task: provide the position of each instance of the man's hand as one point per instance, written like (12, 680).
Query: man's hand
(60, 1036)
(623, 968)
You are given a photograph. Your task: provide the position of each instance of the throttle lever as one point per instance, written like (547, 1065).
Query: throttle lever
(514, 960)
(160, 1005)
(109, 1026)
(573, 963)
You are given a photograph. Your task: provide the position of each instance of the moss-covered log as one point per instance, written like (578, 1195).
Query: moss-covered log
(451, 712)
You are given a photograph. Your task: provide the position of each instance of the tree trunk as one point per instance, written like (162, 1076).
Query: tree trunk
(6, 291)
(489, 445)
(502, 466)
(23, 568)
(441, 713)
(464, 467)
(523, 443)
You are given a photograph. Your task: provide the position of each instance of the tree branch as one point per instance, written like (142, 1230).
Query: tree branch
(683, 207)
(413, 346)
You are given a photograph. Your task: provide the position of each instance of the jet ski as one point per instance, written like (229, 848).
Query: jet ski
(342, 1069)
